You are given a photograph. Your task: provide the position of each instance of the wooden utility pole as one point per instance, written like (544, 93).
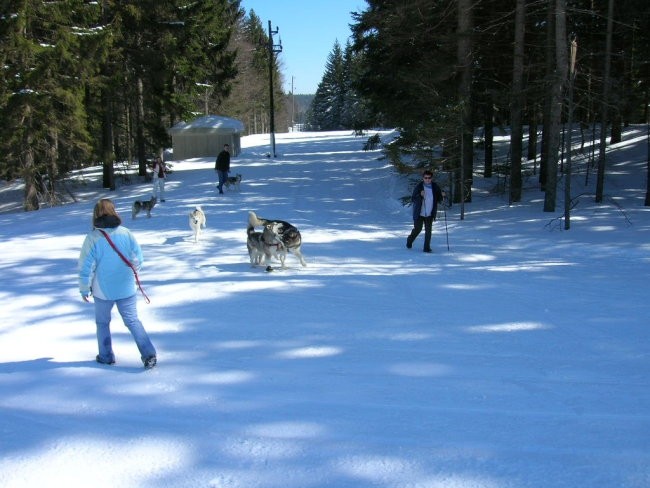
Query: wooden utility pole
(602, 148)
(567, 183)
(273, 48)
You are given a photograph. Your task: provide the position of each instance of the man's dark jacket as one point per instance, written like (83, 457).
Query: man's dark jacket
(223, 161)
(417, 199)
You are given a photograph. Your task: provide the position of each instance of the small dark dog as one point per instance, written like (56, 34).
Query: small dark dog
(143, 206)
(233, 181)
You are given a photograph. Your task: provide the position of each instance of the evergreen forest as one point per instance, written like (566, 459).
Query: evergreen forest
(101, 82)
(444, 71)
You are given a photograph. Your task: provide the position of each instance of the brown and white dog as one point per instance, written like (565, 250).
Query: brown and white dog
(283, 231)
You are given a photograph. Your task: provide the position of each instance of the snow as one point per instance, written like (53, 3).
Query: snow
(216, 122)
(518, 358)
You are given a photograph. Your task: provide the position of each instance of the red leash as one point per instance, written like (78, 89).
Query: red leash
(128, 263)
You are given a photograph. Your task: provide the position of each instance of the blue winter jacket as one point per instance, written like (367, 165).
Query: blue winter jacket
(416, 198)
(101, 270)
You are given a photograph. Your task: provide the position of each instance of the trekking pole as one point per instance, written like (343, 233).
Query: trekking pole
(446, 230)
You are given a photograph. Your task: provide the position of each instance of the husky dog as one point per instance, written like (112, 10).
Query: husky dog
(262, 246)
(288, 234)
(233, 181)
(197, 222)
(143, 205)
(273, 248)
(255, 246)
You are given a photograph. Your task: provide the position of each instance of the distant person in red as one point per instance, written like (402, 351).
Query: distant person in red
(159, 174)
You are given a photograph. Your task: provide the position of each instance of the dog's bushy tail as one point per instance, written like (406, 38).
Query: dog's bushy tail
(254, 220)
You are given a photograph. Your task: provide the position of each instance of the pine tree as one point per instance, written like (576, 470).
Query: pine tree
(356, 113)
(165, 53)
(408, 74)
(328, 103)
(249, 99)
(43, 131)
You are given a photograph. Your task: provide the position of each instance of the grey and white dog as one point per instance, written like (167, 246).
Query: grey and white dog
(283, 231)
(255, 246)
(233, 181)
(197, 222)
(143, 206)
(262, 246)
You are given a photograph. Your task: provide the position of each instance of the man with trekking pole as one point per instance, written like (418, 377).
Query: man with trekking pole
(425, 198)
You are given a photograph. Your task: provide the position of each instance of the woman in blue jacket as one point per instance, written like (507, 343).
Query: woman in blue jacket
(425, 198)
(104, 275)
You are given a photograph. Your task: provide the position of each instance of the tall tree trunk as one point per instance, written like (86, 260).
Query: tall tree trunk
(647, 182)
(617, 127)
(52, 155)
(569, 138)
(140, 143)
(548, 88)
(532, 133)
(30, 201)
(489, 135)
(600, 178)
(108, 175)
(465, 26)
(516, 105)
(557, 99)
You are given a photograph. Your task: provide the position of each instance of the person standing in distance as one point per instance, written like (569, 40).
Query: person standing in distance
(222, 166)
(425, 198)
(159, 175)
(104, 275)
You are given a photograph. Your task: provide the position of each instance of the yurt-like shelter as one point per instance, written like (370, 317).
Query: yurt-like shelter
(205, 137)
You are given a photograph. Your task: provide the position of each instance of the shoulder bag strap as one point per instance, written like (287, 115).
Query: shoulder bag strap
(128, 263)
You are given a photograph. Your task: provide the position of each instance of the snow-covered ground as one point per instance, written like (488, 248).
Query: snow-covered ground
(517, 359)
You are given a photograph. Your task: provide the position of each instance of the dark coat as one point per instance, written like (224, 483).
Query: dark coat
(159, 169)
(417, 199)
(223, 161)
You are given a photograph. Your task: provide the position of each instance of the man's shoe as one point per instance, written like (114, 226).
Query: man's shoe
(149, 362)
(409, 244)
(104, 361)
(428, 250)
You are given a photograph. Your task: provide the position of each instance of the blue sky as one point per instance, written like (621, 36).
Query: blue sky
(308, 31)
